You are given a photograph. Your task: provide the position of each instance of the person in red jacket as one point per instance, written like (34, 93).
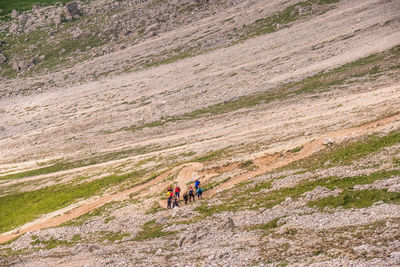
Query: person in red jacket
(177, 191)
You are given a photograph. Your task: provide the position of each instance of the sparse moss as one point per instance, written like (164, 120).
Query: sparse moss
(151, 230)
(112, 236)
(357, 199)
(266, 226)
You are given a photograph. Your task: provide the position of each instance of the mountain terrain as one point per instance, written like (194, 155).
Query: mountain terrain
(286, 111)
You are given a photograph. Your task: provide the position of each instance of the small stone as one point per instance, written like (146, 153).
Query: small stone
(279, 26)
(14, 14)
(181, 241)
(328, 142)
(230, 224)
(93, 248)
(22, 18)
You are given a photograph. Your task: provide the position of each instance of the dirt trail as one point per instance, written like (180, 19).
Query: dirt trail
(188, 171)
(89, 205)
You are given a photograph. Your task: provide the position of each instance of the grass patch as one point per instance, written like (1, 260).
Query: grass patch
(209, 186)
(155, 207)
(248, 165)
(258, 187)
(211, 156)
(357, 199)
(266, 226)
(22, 5)
(52, 243)
(345, 154)
(151, 230)
(19, 208)
(296, 149)
(112, 236)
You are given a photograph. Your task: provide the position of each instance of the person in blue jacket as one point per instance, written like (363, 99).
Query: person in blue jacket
(199, 193)
(197, 184)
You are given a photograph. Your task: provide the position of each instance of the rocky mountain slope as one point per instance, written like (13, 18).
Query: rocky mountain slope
(287, 111)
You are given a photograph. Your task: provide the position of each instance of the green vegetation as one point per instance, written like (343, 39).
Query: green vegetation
(283, 18)
(248, 165)
(240, 199)
(22, 5)
(155, 207)
(19, 208)
(53, 243)
(112, 236)
(267, 226)
(258, 187)
(212, 156)
(347, 153)
(296, 149)
(63, 52)
(357, 199)
(175, 57)
(209, 186)
(151, 230)
(85, 217)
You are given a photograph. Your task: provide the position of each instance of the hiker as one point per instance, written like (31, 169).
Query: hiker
(170, 189)
(169, 200)
(177, 191)
(185, 197)
(199, 193)
(191, 194)
(197, 184)
(175, 204)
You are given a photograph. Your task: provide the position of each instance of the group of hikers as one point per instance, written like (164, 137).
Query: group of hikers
(173, 194)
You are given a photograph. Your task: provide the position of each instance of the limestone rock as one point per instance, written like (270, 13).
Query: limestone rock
(22, 18)
(328, 142)
(14, 14)
(71, 10)
(3, 59)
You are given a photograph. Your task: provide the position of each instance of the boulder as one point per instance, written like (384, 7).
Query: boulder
(14, 14)
(3, 59)
(328, 142)
(229, 224)
(93, 248)
(72, 9)
(22, 18)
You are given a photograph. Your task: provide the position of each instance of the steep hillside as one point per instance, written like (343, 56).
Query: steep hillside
(287, 111)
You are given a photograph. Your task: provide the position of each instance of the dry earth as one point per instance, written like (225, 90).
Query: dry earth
(328, 79)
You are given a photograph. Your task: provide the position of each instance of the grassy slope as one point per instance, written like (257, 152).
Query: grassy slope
(20, 208)
(21, 5)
